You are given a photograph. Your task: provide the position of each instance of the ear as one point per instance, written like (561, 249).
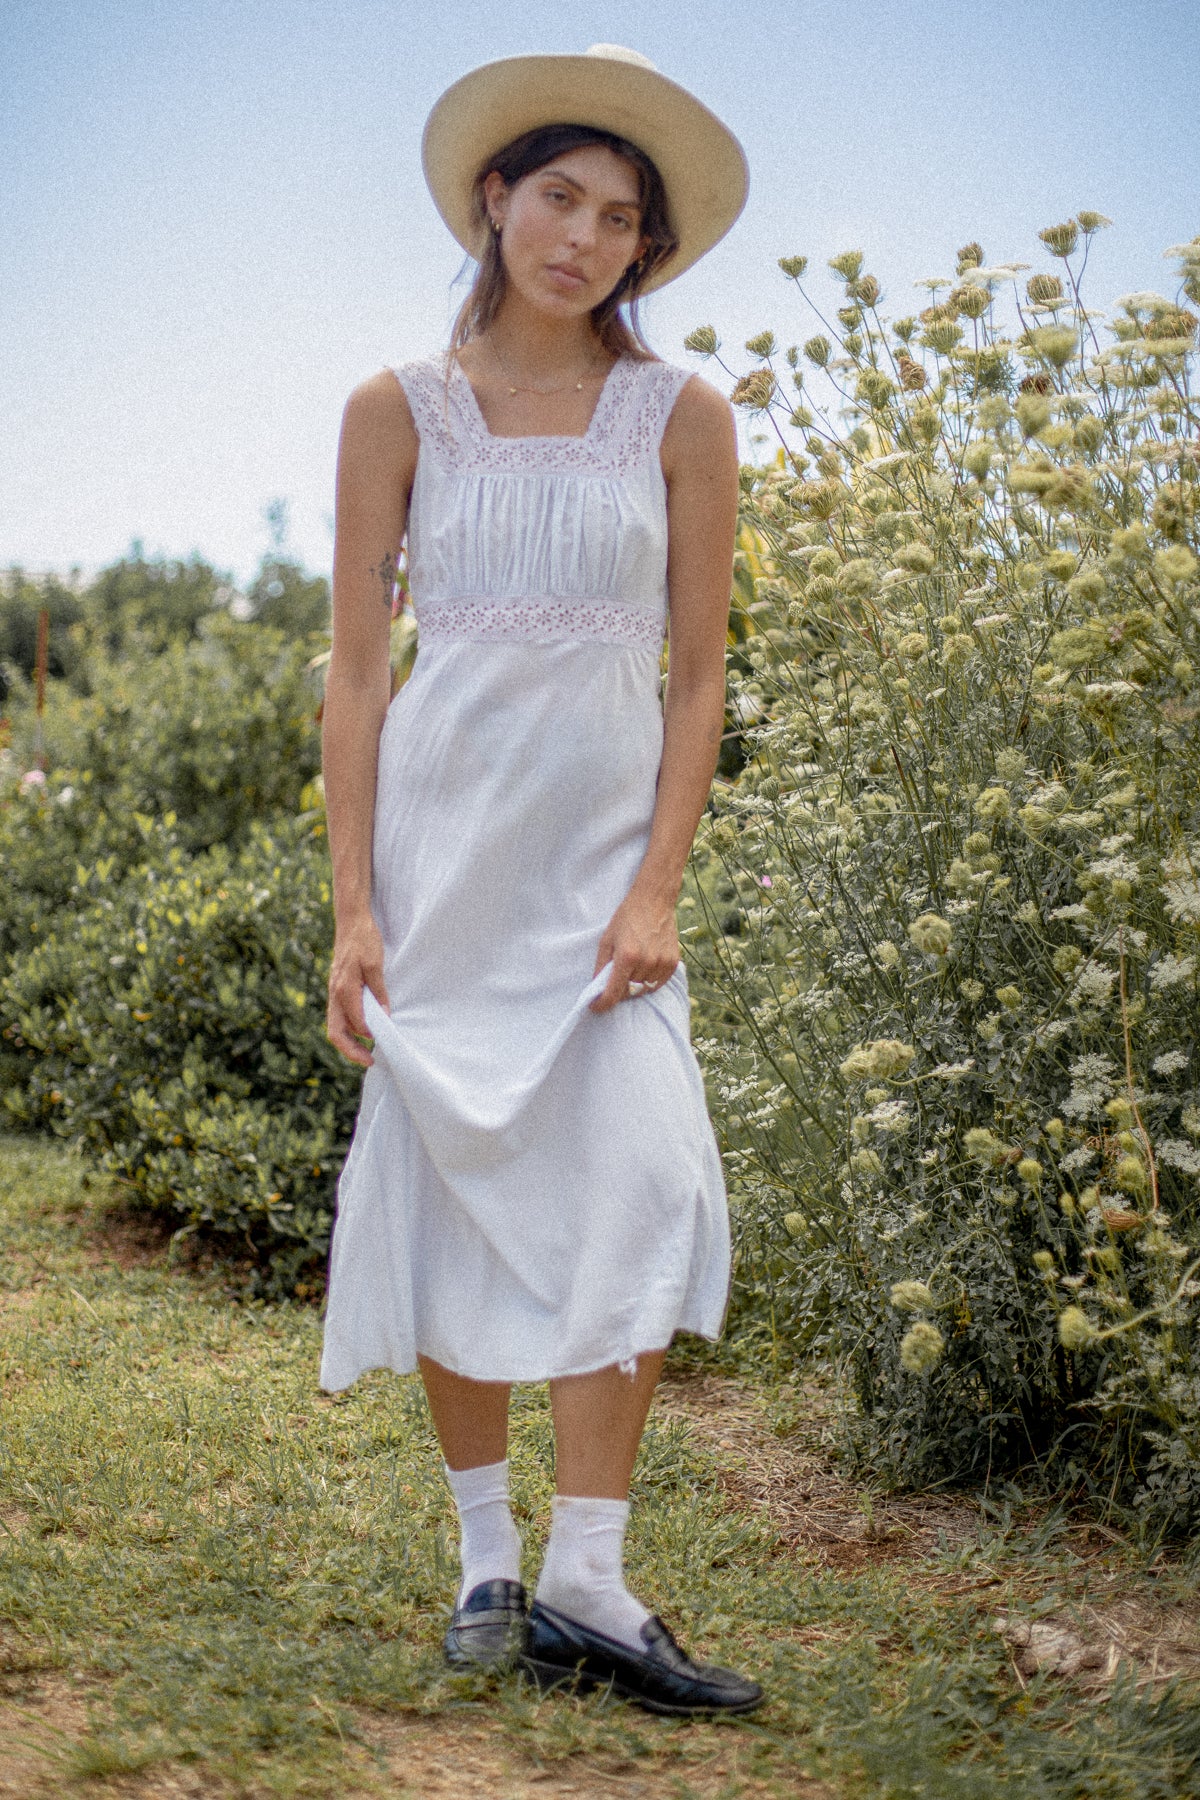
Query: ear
(495, 194)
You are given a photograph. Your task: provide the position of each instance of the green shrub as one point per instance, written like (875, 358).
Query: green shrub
(177, 1020)
(22, 598)
(220, 731)
(947, 960)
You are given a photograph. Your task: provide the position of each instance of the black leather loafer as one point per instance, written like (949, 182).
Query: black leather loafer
(489, 1629)
(661, 1677)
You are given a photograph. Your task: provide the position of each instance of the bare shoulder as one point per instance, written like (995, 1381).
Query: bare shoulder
(700, 429)
(377, 415)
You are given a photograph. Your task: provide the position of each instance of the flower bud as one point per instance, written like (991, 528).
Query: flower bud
(1075, 1329)
(931, 934)
(1060, 240)
(921, 1348)
(911, 1296)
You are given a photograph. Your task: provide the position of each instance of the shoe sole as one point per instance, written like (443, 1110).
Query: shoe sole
(549, 1676)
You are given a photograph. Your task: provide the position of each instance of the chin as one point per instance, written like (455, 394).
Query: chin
(559, 304)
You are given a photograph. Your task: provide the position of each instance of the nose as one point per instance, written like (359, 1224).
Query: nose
(581, 231)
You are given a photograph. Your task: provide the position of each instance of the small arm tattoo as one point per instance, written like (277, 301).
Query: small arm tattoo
(388, 574)
(392, 575)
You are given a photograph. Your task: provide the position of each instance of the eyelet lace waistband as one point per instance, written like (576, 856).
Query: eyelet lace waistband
(541, 621)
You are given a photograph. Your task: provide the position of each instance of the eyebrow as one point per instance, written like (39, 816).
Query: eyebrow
(570, 181)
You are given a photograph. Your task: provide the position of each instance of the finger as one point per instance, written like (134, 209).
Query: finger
(349, 1005)
(616, 989)
(379, 990)
(341, 1040)
(346, 1033)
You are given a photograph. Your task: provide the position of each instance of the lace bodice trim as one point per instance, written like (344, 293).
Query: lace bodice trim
(626, 427)
(541, 621)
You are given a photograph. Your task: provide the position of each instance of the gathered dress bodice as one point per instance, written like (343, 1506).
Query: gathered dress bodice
(540, 538)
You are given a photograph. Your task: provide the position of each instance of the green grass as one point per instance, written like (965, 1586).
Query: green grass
(246, 1572)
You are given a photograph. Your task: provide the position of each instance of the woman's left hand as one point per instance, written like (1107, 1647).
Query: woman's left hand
(642, 944)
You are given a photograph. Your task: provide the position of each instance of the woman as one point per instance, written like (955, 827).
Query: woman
(533, 1191)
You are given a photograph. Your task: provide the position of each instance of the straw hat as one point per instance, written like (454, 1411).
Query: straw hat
(701, 162)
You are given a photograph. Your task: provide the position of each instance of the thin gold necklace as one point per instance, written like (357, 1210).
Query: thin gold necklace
(513, 388)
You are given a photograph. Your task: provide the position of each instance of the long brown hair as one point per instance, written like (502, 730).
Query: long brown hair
(619, 332)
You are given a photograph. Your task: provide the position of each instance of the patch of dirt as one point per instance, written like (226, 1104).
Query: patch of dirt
(794, 1481)
(1121, 1626)
(414, 1759)
(1092, 1644)
(38, 1713)
(120, 1236)
(465, 1759)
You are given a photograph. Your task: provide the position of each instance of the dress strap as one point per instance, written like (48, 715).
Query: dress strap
(434, 407)
(637, 429)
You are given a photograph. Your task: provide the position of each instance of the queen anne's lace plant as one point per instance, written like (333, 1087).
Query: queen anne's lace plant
(947, 910)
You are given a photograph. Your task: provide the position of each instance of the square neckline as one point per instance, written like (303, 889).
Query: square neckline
(539, 437)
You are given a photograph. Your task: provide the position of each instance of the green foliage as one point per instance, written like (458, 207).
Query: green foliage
(177, 1018)
(22, 598)
(283, 596)
(952, 902)
(141, 602)
(219, 730)
(195, 1067)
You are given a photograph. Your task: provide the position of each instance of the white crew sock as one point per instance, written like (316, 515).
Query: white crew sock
(490, 1548)
(582, 1575)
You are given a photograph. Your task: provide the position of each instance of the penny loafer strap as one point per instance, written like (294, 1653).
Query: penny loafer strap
(495, 1615)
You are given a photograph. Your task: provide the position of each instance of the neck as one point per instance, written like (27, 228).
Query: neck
(533, 344)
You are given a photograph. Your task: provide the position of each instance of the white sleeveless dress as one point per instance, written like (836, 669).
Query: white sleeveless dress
(532, 1189)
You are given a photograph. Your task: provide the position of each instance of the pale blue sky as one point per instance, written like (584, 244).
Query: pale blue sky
(213, 221)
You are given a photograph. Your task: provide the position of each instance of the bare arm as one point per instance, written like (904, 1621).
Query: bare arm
(376, 460)
(699, 457)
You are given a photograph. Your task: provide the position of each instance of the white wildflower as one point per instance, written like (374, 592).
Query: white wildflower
(1172, 971)
(1115, 868)
(1170, 1062)
(891, 1116)
(1183, 899)
(1093, 985)
(1177, 1153)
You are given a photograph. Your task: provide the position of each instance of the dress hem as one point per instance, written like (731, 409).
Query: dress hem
(591, 1368)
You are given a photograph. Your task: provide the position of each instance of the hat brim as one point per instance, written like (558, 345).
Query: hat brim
(702, 165)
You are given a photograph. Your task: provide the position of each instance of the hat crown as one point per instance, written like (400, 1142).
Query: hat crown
(619, 53)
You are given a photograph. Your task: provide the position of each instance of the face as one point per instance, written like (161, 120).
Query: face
(569, 230)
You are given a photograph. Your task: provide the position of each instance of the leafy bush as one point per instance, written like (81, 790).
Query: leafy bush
(22, 598)
(220, 730)
(948, 943)
(177, 1018)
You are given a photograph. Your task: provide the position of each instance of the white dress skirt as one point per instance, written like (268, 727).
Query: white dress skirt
(532, 1189)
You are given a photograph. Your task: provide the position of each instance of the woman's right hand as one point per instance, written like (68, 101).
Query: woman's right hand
(357, 963)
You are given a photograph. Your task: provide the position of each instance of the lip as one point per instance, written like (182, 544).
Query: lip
(573, 277)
